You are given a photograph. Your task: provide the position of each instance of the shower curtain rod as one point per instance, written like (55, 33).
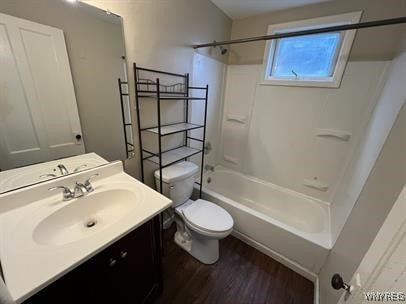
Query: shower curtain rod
(335, 28)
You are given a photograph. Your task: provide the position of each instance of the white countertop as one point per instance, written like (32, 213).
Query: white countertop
(32, 174)
(29, 266)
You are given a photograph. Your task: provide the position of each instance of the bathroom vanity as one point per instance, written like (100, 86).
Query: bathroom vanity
(128, 271)
(99, 247)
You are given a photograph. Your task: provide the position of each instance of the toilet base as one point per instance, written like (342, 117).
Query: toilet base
(182, 241)
(204, 249)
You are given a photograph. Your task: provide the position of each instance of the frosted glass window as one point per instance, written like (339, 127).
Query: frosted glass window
(310, 56)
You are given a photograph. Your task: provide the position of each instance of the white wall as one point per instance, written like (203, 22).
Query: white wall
(278, 142)
(382, 188)
(369, 144)
(378, 43)
(159, 34)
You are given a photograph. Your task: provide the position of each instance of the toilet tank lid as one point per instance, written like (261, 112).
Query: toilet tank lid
(177, 172)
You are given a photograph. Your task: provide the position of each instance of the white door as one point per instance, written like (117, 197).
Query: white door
(39, 119)
(383, 268)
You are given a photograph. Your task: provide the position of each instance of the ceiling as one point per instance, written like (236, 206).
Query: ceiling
(237, 9)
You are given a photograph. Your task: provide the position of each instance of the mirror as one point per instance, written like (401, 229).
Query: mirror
(60, 105)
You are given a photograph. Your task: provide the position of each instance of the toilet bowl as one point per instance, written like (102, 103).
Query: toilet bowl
(200, 224)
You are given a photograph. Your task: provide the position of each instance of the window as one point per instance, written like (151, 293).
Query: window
(309, 56)
(311, 60)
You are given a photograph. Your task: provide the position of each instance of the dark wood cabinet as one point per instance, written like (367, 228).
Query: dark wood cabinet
(129, 271)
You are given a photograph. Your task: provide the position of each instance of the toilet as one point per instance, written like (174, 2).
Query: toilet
(200, 224)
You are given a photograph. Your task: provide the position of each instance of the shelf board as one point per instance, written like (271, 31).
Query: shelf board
(172, 156)
(181, 98)
(153, 93)
(174, 128)
(171, 97)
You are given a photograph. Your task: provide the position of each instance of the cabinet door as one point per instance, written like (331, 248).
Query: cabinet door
(74, 287)
(129, 270)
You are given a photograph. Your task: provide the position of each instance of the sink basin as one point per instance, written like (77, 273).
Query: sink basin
(84, 217)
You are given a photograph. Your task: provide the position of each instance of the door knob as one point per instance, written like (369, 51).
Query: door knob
(78, 137)
(338, 283)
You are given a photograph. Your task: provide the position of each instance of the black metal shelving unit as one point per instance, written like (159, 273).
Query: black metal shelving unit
(129, 146)
(147, 89)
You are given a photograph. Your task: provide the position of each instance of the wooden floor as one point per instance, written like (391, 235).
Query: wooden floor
(243, 275)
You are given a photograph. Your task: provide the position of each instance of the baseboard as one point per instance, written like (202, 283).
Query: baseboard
(283, 260)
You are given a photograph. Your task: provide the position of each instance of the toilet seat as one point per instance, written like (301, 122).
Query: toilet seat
(207, 218)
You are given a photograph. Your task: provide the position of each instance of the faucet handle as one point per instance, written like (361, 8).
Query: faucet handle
(80, 190)
(67, 193)
(63, 169)
(87, 183)
(47, 175)
(80, 167)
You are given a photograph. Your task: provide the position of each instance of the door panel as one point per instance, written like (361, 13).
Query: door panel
(21, 127)
(38, 48)
(37, 89)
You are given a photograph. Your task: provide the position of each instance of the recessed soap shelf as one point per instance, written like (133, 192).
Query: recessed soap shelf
(315, 185)
(341, 135)
(237, 118)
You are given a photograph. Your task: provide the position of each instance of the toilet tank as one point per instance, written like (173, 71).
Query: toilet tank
(177, 181)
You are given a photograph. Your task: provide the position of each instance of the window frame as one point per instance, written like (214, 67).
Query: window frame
(341, 56)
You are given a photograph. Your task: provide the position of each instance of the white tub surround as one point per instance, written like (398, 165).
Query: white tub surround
(282, 222)
(299, 138)
(32, 259)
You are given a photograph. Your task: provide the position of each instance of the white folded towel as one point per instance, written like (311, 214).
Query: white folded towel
(5, 297)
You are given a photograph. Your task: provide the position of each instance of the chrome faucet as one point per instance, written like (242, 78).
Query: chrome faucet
(63, 169)
(67, 193)
(88, 185)
(79, 189)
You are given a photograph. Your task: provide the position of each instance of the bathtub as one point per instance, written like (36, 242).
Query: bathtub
(288, 226)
